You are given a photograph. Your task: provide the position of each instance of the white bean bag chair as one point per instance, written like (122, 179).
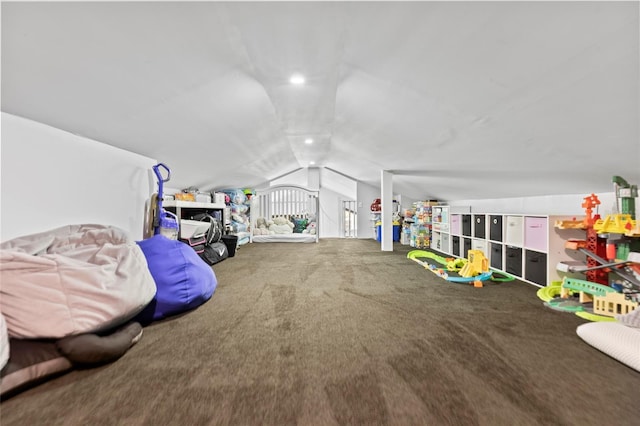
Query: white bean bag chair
(72, 280)
(615, 339)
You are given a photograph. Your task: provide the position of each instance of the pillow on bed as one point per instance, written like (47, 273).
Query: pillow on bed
(300, 225)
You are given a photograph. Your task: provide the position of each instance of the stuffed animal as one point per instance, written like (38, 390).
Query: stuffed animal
(281, 225)
(311, 229)
(239, 208)
(311, 224)
(262, 228)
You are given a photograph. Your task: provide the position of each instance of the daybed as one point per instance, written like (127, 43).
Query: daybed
(285, 213)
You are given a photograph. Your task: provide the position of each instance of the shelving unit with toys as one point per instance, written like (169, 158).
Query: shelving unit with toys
(525, 246)
(612, 249)
(408, 219)
(376, 218)
(421, 224)
(543, 249)
(610, 246)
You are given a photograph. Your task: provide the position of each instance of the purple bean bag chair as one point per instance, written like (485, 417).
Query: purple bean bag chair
(183, 280)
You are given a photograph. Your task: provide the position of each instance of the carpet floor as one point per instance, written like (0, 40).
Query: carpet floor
(341, 333)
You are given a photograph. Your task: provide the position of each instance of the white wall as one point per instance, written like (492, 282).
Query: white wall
(52, 178)
(330, 213)
(299, 177)
(334, 189)
(339, 184)
(545, 205)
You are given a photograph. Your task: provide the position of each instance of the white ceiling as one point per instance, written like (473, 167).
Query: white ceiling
(461, 100)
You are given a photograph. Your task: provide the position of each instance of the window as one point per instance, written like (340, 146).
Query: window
(350, 224)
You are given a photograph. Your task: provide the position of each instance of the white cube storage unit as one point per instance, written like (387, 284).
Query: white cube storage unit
(525, 246)
(448, 221)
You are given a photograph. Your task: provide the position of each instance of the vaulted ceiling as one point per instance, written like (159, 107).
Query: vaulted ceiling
(460, 100)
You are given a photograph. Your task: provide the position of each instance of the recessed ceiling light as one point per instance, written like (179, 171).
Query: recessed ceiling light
(297, 79)
(308, 141)
(311, 163)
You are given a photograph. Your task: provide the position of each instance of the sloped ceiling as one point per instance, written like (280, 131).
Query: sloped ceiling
(461, 100)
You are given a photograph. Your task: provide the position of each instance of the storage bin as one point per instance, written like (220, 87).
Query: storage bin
(480, 245)
(220, 198)
(535, 233)
(535, 267)
(456, 224)
(495, 228)
(496, 256)
(203, 197)
(514, 261)
(455, 245)
(193, 228)
(231, 241)
(479, 225)
(514, 230)
(466, 245)
(444, 243)
(466, 225)
(396, 233)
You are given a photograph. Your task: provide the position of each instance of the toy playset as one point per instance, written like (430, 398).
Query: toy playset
(473, 270)
(612, 271)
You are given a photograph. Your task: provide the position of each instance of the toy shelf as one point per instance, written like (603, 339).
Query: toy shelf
(526, 246)
(186, 209)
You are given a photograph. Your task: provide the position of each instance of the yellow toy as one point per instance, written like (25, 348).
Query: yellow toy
(476, 265)
(616, 223)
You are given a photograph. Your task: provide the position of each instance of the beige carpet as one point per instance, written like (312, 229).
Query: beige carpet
(340, 333)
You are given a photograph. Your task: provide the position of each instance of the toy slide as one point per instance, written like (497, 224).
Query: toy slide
(567, 266)
(622, 274)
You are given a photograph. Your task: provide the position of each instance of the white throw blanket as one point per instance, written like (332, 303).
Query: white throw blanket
(71, 280)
